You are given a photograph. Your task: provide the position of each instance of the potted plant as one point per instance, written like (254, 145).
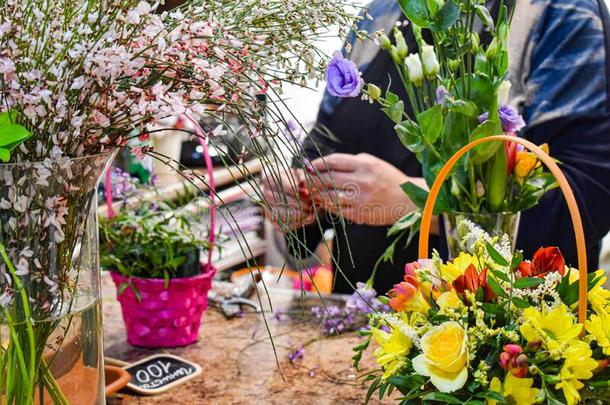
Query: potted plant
(153, 254)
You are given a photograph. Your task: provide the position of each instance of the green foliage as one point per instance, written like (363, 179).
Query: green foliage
(11, 134)
(151, 243)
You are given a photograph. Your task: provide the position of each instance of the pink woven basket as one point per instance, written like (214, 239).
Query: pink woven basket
(164, 317)
(168, 317)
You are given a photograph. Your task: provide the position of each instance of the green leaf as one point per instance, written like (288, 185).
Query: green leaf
(485, 16)
(495, 287)
(395, 111)
(417, 194)
(8, 117)
(416, 11)
(11, 135)
(495, 255)
(410, 135)
(528, 282)
(446, 17)
(468, 108)
(517, 260)
(500, 275)
(5, 155)
(441, 397)
(492, 395)
(521, 303)
(406, 222)
(485, 151)
(431, 123)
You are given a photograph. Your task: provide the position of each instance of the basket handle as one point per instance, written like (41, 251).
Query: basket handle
(203, 141)
(563, 184)
(211, 186)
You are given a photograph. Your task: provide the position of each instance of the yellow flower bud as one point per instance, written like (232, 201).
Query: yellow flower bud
(374, 91)
(526, 162)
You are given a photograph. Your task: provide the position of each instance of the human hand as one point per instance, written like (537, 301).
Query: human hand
(287, 202)
(362, 188)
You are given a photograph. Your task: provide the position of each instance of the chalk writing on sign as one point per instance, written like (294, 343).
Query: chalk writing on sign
(159, 373)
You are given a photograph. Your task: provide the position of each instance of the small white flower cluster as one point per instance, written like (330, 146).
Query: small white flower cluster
(546, 289)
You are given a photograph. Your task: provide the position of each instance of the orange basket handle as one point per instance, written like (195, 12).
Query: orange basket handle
(563, 184)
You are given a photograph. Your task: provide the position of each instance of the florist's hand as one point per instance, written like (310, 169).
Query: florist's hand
(363, 188)
(286, 199)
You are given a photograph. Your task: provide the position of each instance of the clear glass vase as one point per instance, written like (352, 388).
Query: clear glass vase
(50, 321)
(495, 224)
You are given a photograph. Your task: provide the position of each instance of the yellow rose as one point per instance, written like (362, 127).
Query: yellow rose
(444, 357)
(449, 299)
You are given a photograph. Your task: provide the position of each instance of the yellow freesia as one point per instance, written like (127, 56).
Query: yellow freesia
(518, 389)
(599, 327)
(392, 351)
(554, 328)
(444, 357)
(449, 299)
(598, 296)
(456, 268)
(579, 365)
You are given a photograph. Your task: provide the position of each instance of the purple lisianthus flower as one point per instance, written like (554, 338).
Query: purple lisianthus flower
(342, 77)
(441, 95)
(512, 121)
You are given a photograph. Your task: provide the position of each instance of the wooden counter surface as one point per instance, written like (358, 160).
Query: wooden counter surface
(238, 362)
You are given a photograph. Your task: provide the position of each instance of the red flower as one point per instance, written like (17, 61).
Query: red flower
(471, 281)
(512, 359)
(546, 260)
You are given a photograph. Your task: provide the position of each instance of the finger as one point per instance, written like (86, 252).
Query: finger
(331, 199)
(328, 181)
(340, 162)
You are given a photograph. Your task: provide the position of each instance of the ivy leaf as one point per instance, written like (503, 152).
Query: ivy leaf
(431, 123)
(446, 17)
(528, 282)
(416, 11)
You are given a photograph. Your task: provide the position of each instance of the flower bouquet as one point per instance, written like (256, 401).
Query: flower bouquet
(457, 92)
(491, 327)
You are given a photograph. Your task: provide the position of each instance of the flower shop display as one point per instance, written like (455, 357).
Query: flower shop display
(77, 81)
(458, 92)
(489, 327)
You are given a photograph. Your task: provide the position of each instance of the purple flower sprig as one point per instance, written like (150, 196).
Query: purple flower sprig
(342, 77)
(296, 354)
(352, 316)
(512, 121)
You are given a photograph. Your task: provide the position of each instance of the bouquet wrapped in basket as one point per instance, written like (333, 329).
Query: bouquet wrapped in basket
(490, 327)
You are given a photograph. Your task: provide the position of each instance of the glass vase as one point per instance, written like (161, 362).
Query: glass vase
(495, 224)
(50, 321)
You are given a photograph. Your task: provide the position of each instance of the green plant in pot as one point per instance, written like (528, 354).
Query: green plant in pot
(153, 253)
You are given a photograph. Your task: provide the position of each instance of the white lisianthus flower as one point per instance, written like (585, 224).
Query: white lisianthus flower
(430, 61)
(415, 69)
(503, 92)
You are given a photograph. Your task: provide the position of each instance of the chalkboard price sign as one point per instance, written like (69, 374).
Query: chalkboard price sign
(159, 373)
